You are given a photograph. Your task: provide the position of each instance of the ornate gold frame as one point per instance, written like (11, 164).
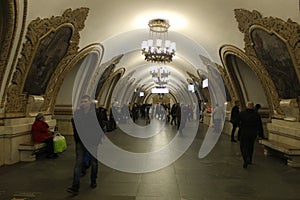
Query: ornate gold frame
(92, 48)
(260, 72)
(288, 31)
(9, 35)
(109, 85)
(37, 29)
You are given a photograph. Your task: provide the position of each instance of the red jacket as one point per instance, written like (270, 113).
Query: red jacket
(40, 131)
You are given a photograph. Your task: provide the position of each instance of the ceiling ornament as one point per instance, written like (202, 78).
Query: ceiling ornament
(158, 48)
(160, 76)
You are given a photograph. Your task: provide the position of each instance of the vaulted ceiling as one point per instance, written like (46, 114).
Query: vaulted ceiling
(199, 27)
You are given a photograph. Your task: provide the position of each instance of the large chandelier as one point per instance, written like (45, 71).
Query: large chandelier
(160, 76)
(158, 48)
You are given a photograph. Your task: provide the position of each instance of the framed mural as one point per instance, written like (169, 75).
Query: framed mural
(274, 54)
(51, 49)
(272, 46)
(50, 45)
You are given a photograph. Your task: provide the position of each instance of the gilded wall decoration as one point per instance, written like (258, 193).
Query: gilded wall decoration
(8, 23)
(276, 44)
(230, 95)
(275, 56)
(230, 92)
(52, 48)
(105, 75)
(104, 96)
(36, 31)
(56, 84)
(260, 72)
(7, 40)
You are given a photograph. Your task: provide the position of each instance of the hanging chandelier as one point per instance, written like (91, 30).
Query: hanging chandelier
(160, 76)
(158, 48)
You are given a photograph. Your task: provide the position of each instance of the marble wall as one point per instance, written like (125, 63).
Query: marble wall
(14, 132)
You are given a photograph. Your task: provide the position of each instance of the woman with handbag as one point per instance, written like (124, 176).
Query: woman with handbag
(41, 133)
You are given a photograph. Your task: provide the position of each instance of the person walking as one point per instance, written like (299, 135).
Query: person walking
(85, 123)
(173, 114)
(183, 117)
(250, 125)
(234, 119)
(260, 133)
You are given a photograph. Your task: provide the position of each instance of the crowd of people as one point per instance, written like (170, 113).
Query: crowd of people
(171, 114)
(248, 123)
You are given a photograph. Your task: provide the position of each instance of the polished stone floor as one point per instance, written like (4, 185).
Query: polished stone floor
(216, 177)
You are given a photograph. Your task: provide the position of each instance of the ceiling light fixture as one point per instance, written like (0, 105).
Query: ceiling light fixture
(160, 76)
(158, 48)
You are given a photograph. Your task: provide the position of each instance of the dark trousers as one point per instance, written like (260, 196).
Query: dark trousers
(247, 147)
(80, 157)
(173, 120)
(234, 126)
(49, 147)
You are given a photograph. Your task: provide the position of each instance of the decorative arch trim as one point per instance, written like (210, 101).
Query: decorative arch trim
(108, 86)
(8, 24)
(7, 45)
(37, 29)
(260, 72)
(56, 83)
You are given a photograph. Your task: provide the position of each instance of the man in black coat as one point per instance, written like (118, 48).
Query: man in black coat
(250, 126)
(234, 119)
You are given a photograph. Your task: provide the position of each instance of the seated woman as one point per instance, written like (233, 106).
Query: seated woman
(41, 133)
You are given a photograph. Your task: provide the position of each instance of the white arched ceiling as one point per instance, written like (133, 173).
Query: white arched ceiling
(186, 60)
(210, 23)
(143, 80)
(130, 41)
(121, 25)
(207, 23)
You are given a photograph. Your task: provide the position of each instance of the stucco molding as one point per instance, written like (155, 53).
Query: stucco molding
(36, 30)
(260, 72)
(9, 15)
(287, 31)
(108, 86)
(51, 95)
(227, 82)
(7, 33)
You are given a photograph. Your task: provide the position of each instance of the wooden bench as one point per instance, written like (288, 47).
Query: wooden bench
(291, 153)
(29, 150)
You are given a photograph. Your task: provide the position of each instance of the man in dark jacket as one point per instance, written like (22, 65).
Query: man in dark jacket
(87, 136)
(234, 119)
(250, 126)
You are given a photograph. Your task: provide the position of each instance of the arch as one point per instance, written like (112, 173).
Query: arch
(37, 29)
(105, 95)
(9, 22)
(232, 58)
(287, 32)
(90, 55)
